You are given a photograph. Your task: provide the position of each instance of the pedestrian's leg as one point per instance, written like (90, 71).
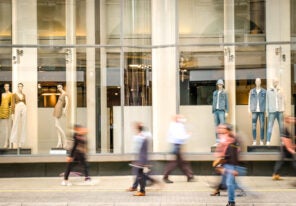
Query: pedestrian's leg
(184, 166)
(230, 183)
(68, 170)
(141, 180)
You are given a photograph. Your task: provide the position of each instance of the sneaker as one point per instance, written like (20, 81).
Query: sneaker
(66, 183)
(230, 204)
(139, 194)
(166, 180)
(254, 143)
(267, 143)
(276, 177)
(261, 143)
(87, 179)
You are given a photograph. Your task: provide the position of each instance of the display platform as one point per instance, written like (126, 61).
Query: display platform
(58, 151)
(263, 148)
(15, 151)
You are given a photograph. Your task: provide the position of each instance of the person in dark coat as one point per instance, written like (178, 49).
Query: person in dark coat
(78, 153)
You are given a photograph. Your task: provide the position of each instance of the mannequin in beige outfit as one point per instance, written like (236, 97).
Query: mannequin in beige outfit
(5, 113)
(19, 116)
(60, 110)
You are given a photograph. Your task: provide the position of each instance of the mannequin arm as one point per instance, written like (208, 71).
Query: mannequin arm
(66, 105)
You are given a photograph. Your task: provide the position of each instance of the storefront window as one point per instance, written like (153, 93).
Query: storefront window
(201, 21)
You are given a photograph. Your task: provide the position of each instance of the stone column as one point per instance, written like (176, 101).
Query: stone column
(229, 58)
(164, 71)
(24, 62)
(90, 75)
(278, 57)
(71, 75)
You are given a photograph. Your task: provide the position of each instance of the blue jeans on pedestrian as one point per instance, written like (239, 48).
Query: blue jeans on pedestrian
(271, 117)
(230, 179)
(219, 117)
(255, 116)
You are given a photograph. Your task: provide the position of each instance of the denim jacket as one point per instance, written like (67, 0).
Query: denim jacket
(271, 96)
(254, 98)
(223, 101)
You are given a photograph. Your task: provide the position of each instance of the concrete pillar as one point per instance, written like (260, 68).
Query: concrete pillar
(278, 57)
(24, 62)
(71, 61)
(105, 135)
(164, 70)
(90, 75)
(229, 58)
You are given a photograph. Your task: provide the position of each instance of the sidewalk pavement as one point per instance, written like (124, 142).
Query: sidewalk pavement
(111, 191)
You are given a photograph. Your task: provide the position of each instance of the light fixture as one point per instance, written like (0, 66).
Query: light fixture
(16, 58)
(227, 53)
(279, 52)
(68, 56)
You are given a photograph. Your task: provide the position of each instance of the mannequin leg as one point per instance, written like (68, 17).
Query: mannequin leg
(60, 133)
(271, 118)
(6, 130)
(254, 125)
(24, 125)
(262, 123)
(14, 130)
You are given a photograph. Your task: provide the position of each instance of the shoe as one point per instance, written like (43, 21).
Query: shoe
(261, 143)
(87, 179)
(66, 183)
(267, 143)
(276, 177)
(190, 179)
(254, 143)
(139, 194)
(215, 193)
(241, 193)
(230, 204)
(166, 180)
(131, 189)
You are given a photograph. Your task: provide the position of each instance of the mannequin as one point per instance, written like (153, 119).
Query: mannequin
(60, 110)
(220, 105)
(19, 116)
(5, 112)
(275, 107)
(256, 107)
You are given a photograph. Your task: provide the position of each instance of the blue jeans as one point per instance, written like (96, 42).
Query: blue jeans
(255, 116)
(271, 117)
(230, 179)
(219, 117)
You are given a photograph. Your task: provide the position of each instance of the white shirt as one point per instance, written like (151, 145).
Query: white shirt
(217, 106)
(258, 108)
(177, 133)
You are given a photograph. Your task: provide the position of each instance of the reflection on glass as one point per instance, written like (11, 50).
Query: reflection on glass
(250, 21)
(137, 22)
(51, 21)
(199, 72)
(5, 21)
(138, 79)
(201, 21)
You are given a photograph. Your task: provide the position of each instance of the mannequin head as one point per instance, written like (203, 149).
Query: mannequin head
(20, 87)
(60, 87)
(275, 82)
(6, 87)
(220, 84)
(258, 82)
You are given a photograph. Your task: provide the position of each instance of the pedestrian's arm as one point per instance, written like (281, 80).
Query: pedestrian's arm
(288, 144)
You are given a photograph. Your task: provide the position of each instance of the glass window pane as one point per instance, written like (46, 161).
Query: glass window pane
(137, 22)
(201, 21)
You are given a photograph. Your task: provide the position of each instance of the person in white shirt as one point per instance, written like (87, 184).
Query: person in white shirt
(177, 136)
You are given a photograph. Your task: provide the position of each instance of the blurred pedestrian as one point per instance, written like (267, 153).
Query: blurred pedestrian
(141, 166)
(223, 131)
(231, 166)
(287, 147)
(177, 136)
(78, 153)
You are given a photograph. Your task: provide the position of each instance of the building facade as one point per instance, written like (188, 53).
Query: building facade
(121, 61)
